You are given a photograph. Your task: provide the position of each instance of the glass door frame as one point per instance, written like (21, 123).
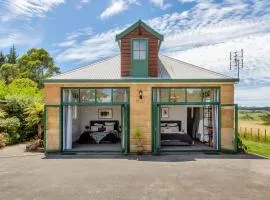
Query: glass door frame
(126, 112)
(156, 121)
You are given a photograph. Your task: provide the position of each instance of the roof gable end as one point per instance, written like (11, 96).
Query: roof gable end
(134, 26)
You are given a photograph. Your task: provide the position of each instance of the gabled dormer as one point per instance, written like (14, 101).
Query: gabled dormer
(139, 45)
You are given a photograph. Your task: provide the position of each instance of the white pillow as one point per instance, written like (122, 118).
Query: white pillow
(163, 124)
(109, 123)
(163, 129)
(109, 128)
(98, 125)
(174, 129)
(172, 124)
(94, 128)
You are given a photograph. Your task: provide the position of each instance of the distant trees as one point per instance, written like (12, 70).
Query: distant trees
(36, 65)
(12, 56)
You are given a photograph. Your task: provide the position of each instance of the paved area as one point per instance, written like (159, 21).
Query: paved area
(27, 176)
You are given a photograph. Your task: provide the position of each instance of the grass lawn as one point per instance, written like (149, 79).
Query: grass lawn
(257, 147)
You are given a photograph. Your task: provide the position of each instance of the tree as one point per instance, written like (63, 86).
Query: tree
(37, 64)
(3, 90)
(34, 116)
(24, 87)
(2, 58)
(12, 56)
(9, 72)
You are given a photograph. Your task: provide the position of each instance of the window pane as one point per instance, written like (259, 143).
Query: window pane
(136, 45)
(142, 55)
(104, 95)
(208, 94)
(194, 95)
(177, 95)
(87, 95)
(71, 95)
(164, 95)
(119, 95)
(136, 55)
(143, 45)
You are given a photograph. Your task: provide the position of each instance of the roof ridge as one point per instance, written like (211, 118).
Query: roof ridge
(195, 66)
(85, 66)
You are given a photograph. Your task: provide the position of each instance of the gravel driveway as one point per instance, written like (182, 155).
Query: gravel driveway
(185, 176)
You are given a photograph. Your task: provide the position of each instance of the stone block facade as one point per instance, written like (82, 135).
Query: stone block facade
(140, 109)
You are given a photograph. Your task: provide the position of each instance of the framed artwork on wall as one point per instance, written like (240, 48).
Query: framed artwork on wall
(164, 112)
(105, 113)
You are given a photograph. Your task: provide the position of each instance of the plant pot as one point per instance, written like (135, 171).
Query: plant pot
(139, 149)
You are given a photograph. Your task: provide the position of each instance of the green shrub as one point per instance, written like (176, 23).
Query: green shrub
(3, 140)
(11, 126)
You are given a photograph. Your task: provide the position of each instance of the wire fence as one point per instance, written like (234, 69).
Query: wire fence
(255, 134)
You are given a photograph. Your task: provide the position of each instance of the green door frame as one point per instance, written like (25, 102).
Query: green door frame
(61, 106)
(235, 149)
(156, 111)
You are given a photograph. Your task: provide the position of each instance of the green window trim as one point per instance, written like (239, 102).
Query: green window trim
(212, 101)
(95, 100)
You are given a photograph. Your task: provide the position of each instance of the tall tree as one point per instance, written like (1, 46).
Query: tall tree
(12, 56)
(37, 64)
(2, 58)
(9, 72)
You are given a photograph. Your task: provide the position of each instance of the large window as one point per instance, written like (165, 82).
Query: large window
(139, 49)
(87, 95)
(194, 95)
(104, 95)
(95, 95)
(186, 95)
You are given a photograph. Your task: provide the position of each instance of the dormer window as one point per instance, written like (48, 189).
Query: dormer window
(139, 49)
(139, 46)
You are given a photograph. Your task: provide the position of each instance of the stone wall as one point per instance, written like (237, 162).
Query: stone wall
(140, 109)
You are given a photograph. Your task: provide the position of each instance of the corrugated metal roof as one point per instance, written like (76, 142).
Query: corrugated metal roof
(169, 68)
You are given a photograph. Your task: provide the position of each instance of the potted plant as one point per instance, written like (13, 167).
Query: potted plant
(138, 137)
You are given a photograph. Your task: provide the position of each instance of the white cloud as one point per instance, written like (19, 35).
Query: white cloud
(26, 9)
(186, 1)
(10, 37)
(259, 96)
(161, 4)
(116, 7)
(81, 4)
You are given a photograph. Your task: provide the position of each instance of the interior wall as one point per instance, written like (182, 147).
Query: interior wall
(76, 129)
(177, 113)
(89, 113)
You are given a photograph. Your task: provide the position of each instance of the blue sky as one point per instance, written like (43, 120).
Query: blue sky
(202, 32)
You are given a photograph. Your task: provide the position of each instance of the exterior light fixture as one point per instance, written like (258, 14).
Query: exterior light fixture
(140, 94)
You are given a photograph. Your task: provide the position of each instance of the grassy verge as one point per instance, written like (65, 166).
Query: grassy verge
(257, 147)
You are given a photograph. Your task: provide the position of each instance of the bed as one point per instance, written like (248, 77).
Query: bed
(101, 131)
(102, 134)
(172, 134)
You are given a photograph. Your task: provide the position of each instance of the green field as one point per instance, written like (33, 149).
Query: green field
(254, 130)
(257, 147)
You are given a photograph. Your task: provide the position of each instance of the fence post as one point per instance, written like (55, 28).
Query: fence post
(245, 132)
(258, 134)
(265, 135)
(251, 132)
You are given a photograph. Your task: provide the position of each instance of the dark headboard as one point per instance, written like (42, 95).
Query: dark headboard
(116, 125)
(179, 123)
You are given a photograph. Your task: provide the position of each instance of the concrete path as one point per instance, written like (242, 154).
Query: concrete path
(26, 176)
